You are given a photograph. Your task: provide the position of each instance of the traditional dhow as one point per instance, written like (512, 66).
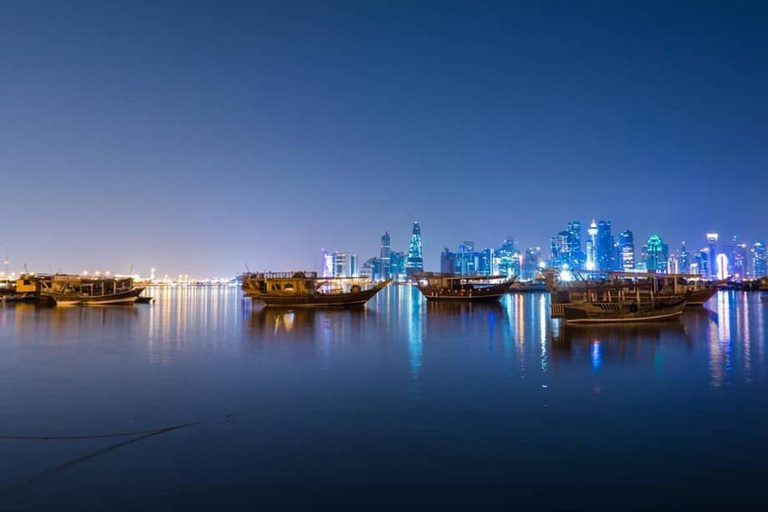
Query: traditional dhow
(305, 289)
(613, 300)
(71, 290)
(450, 287)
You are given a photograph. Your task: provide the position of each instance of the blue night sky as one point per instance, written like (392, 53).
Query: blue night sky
(195, 137)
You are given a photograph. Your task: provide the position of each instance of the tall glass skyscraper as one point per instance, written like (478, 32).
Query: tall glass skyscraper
(605, 251)
(712, 246)
(759, 260)
(592, 246)
(627, 251)
(574, 248)
(684, 263)
(507, 259)
(385, 254)
(415, 262)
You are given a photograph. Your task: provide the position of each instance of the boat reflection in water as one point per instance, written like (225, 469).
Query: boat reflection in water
(639, 343)
(462, 308)
(305, 324)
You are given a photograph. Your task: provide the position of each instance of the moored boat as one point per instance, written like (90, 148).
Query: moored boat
(614, 300)
(450, 287)
(622, 311)
(305, 289)
(71, 290)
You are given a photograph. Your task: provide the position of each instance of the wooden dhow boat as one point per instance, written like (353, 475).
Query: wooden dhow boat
(451, 287)
(72, 290)
(305, 289)
(613, 301)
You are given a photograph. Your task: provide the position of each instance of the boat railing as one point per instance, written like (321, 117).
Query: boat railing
(299, 274)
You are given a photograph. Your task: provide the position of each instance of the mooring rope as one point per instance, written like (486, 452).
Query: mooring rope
(135, 437)
(158, 430)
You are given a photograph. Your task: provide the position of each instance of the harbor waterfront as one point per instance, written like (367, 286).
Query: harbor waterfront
(215, 400)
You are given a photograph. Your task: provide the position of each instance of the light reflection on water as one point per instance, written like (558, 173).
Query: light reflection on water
(402, 390)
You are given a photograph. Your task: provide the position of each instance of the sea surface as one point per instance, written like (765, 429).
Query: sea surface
(204, 401)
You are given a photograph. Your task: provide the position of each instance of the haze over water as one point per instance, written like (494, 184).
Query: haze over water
(401, 402)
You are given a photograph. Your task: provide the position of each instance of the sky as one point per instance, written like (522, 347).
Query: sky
(198, 137)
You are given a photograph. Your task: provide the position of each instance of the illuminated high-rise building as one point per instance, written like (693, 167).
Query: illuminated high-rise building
(759, 260)
(592, 246)
(466, 259)
(385, 254)
(338, 264)
(353, 270)
(559, 250)
(702, 261)
(656, 254)
(627, 251)
(506, 255)
(683, 262)
(604, 252)
(712, 246)
(574, 245)
(397, 263)
(415, 262)
(722, 266)
(485, 262)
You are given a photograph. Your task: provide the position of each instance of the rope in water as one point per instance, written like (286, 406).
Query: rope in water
(104, 436)
(134, 433)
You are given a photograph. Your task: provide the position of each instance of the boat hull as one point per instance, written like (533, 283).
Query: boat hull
(458, 297)
(128, 297)
(625, 313)
(319, 300)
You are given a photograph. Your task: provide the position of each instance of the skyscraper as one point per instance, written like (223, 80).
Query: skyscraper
(506, 256)
(592, 246)
(385, 254)
(466, 259)
(574, 249)
(712, 246)
(604, 248)
(683, 258)
(415, 262)
(447, 262)
(759, 260)
(627, 251)
(485, 266)
(353, 270)
(339, 264)
(559, 250)
(656, 255)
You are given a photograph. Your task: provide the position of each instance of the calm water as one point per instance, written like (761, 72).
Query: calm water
(401, 403)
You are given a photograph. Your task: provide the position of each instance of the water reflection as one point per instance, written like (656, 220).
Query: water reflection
(618, 343)
(320, 332)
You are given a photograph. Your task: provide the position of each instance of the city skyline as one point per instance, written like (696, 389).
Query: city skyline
(190, 138)
(325, 263)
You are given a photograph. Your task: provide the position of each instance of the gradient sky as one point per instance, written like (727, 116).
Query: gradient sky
(197, 136)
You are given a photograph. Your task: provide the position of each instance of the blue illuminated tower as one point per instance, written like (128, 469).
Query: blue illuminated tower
(656, 254)
(627, 251)
(759, 260)
(385, 254)
(712, 246)
(592, 246)
(415, 261)
(604, 249)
